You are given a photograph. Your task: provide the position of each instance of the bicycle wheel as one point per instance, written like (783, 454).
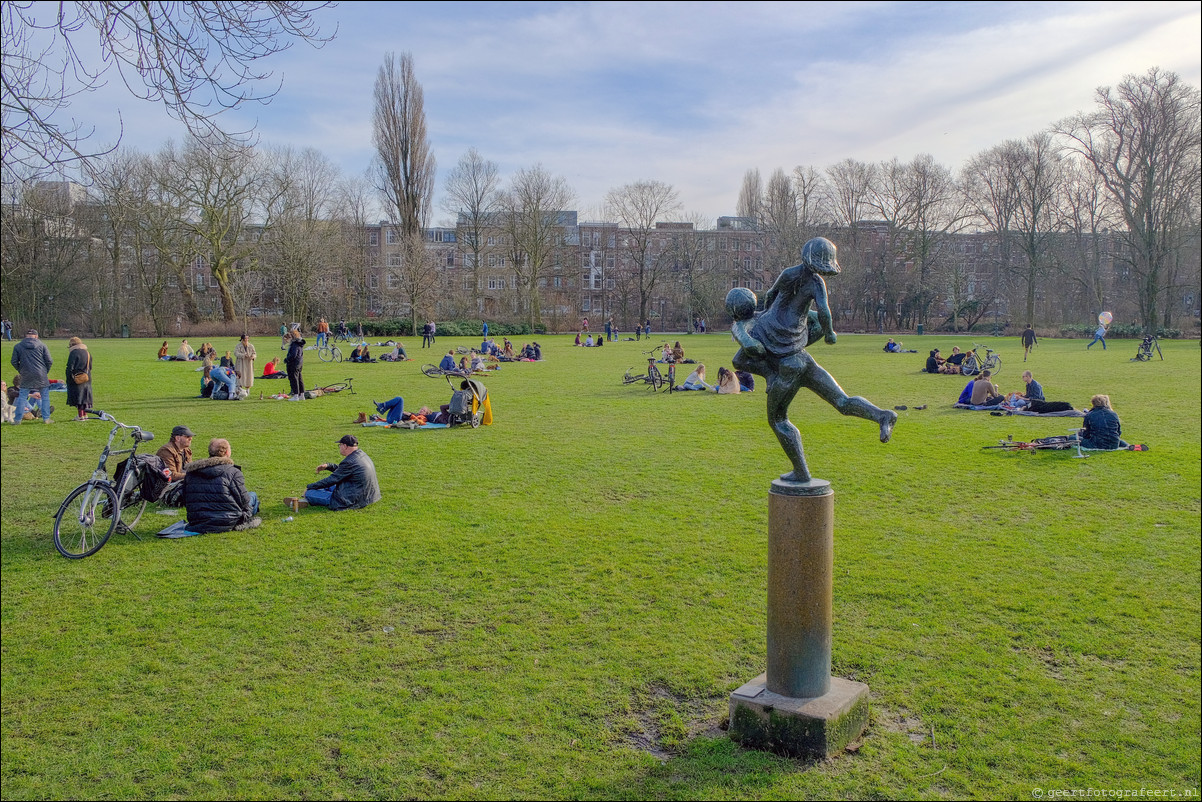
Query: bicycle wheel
(629, 378)
(994, 364)
(79, 527)
(655, 378)
(337, 387)
(969, 366)
(130, 502)
(433, 371)
(325, 353)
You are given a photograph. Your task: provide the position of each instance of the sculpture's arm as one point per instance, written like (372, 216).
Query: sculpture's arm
(822, 307)
(741, 331)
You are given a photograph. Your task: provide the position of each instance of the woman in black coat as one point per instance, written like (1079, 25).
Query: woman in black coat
(79, 360)
(295, 362)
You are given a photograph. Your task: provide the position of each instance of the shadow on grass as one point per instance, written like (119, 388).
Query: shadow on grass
(709, 766)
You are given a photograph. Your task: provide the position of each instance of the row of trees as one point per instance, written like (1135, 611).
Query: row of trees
(1049, 201)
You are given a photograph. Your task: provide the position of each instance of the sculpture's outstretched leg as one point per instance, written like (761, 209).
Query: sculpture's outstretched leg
(825, 386)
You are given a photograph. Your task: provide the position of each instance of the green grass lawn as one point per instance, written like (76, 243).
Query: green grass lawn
(559, 605)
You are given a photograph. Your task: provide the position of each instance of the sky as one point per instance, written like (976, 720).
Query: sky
(696, 94)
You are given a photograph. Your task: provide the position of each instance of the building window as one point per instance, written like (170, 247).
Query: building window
(200, 281)
(373, 281)
(450, 258)
(392, 281)
(373, 238)
(610, 284)
(392, 236)
(558, 282)
(586, 304)
(394, 260)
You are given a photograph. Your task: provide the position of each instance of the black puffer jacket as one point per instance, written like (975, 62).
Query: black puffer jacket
(215, 495)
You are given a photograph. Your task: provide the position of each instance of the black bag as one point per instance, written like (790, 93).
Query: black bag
(461, 403)
(155, 476)
(1043, 407)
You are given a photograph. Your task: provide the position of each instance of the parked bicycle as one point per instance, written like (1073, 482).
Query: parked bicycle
(974, 364)
(329, 353)
(338, 387)
(100, 506)
(1150, 344)
(652, 377)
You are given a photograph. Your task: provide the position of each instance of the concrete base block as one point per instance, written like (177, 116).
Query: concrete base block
(816, 727)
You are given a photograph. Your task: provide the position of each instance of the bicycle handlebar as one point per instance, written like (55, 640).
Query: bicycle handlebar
(140, 435)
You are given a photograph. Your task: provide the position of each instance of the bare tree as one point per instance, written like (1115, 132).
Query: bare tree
(404, 171)
(221, 183)
(532, 221)
(636, 208)
(751, 192)
(1087, 215)
(471, 195)
(197, 59)
(296, 251)
(1143, 142)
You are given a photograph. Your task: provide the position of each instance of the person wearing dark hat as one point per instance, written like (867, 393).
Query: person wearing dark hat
(176, 453)
(351, 484)
(32, 360)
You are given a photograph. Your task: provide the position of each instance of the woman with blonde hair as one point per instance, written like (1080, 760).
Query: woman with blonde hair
(696, 380)
(79, 377)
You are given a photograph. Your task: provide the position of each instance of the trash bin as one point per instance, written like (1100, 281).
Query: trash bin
(919, 329)
(125, 330)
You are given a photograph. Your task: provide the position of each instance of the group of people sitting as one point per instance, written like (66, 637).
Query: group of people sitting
(729, 381)
(185, 353)
(213, 489)
(673, 355)
(937, 364)
(589, 342)
(982, 392)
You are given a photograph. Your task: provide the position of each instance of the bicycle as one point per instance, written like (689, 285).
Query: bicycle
(100, 499)
(1144, 354)
(338, 387)
(973, 363)
(343, 337)
(653, 377)
(433, 371)
(329, 353)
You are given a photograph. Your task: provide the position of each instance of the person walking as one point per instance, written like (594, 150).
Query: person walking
(6, 328)
(79, 377)
(1029, 341)
(1098, 336)
(244, 354)
(32, 360)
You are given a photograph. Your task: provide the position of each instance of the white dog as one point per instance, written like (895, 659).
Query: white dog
(9, 411)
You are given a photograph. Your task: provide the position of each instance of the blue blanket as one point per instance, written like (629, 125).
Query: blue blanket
(178, 529)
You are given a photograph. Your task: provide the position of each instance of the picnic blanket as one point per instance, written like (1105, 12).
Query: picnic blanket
(178, 529)
(1072, 413)
(404, 425)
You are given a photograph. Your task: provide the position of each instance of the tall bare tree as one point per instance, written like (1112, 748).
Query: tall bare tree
(636, 208)
(1087, 215)
(404, 171)
(1143, 141)
(533, 226)
(197, 59)
(751, 192)
(471, 194)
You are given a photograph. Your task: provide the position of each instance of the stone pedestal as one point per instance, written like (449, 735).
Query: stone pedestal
(796, 707)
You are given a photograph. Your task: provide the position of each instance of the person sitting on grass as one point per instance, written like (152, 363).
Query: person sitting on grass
(271, 371)
(678, 352)
(727, 382)
(746, 381)
(984, 392)
(351, 484)
(696, 380)
(934, 362)
(164, 351)
(215, 493)
(952, 365)
(185, 352)
(1102, 429)
(448, 361)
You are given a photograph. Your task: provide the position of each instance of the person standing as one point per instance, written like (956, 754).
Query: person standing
(433, 332)
(485, 327)
(294, 362)
(244, 354)
(1098, 336)
(1029, 341)
(323, 332)
(32, 360)
(426, 334)
(6, 327)
(79, 366)
(609, 327)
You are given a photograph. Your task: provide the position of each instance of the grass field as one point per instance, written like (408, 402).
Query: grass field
(558, 606)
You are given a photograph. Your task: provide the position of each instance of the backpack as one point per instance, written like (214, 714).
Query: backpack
(461, 403)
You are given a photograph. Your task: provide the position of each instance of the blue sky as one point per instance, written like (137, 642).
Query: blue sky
(694, 94)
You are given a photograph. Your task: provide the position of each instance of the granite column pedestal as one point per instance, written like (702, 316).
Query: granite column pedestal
(796, 707)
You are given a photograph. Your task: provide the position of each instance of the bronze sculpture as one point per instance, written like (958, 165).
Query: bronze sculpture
(773, 345)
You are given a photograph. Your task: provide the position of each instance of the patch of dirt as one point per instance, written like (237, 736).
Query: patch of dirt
(660, 704)
(904, 722)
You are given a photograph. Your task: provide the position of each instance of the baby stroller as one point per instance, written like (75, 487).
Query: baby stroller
(467, 403)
